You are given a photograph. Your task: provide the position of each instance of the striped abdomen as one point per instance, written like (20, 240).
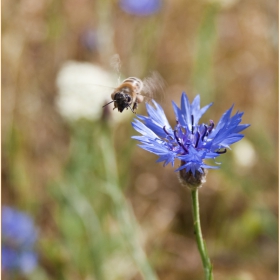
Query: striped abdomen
(135, 82)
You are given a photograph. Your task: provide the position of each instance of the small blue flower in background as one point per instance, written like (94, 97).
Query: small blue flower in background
(188, 141)
(18, 238)
(140, 7)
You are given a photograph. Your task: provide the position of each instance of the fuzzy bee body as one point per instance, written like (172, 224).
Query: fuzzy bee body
(128, 94)
(133, 91)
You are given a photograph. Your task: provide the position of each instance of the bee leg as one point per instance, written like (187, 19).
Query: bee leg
(115, 106)
(135, 106)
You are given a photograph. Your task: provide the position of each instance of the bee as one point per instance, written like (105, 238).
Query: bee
(129, 93)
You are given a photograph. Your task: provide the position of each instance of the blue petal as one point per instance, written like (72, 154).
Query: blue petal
(178, 114)
(161, 150)
(144, 130)
(156, 120)
(186, 110)
(226, 132)
(196, 111)
(241, 127)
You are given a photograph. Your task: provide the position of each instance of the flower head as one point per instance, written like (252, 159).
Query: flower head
(140, 8)
(188, 141)
(18, 238)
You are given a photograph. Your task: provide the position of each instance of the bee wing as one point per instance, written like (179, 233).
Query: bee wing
(154, 87)
(115, 63)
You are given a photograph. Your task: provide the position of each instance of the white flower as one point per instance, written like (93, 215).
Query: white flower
(83, 88)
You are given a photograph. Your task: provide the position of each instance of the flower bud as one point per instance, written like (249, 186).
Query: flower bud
(192, 181)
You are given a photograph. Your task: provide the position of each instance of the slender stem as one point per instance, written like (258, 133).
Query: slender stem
(126, 218)
(198, 235)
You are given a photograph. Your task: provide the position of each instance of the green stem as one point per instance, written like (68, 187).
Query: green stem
(126, 218)
(198, 235)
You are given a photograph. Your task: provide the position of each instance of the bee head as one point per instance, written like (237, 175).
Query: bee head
(122, 101)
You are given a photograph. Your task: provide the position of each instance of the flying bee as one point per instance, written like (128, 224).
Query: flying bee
(130, 92)
(127, 95)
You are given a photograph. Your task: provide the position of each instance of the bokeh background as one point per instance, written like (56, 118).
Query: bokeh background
(103, 208)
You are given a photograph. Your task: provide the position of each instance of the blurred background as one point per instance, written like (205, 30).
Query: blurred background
(101, 206)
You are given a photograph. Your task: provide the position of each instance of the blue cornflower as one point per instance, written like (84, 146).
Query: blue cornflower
(188, 141)
(18, 238)
(140, 8)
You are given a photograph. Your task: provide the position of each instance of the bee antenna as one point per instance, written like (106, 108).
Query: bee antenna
(108, 103)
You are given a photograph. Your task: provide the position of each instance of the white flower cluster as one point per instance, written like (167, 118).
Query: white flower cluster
(83, 88)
